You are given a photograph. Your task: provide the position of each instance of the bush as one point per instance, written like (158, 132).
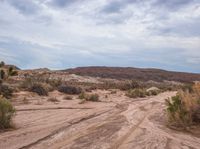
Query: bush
(82, 95)
(6, 91)
(136, 93)
(184, 108)
(152, 92)
(53, 99)
(89, 97)
(93, 97)
(39, 89)
(128, 85)
(6, 113)
(177, 112)
(69, 89)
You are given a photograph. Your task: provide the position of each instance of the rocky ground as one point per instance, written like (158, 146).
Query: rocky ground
(117, 122)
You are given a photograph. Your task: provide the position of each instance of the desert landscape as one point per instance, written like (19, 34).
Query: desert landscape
(99, 74)
(61, 109)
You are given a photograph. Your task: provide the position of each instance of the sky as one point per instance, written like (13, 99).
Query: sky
(61, 34)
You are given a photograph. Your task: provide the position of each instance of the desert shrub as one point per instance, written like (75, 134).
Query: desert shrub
(177, 112)
(53, 99)
(128, 85)
(93, 97)
(69, 89)
(28, 83)
(89, 97)
(6, 91)
(53, 82)
(184, 108)
(187, 87)
(6, 113)
(2, 74)
(39, 89)
(134, 93)
(152, 92)
(82, 95)
(68, 98)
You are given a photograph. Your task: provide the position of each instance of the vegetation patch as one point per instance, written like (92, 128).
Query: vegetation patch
(69, 89)
(39, 89)
(89, 97)
(136, 93)
(184, 108)
(6, 113)
(6, 91)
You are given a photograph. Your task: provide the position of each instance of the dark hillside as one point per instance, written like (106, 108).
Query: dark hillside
(134, 73)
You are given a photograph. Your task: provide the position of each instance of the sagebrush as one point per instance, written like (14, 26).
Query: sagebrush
(7, 111)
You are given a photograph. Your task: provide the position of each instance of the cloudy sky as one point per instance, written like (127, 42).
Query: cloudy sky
(69, 33)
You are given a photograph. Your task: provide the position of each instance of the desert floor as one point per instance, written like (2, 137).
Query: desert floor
(117, 122)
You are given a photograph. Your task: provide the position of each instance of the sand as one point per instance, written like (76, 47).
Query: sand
(117, 122)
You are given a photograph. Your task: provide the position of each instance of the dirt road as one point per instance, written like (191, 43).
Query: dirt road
(117, 122)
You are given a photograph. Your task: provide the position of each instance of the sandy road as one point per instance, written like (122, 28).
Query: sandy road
(115, 123)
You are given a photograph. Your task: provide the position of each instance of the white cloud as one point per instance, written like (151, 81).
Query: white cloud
(93, 30)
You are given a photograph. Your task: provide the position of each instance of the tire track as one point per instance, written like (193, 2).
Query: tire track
(52, 108)
(63, 128)
(131, 130)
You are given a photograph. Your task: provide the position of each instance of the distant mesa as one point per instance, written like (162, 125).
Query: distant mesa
(141, 74)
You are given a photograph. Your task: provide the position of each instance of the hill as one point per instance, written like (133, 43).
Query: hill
(134, 73)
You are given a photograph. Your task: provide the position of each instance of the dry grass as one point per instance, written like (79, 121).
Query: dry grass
(184, 108)
(6, 113)
(89, 97)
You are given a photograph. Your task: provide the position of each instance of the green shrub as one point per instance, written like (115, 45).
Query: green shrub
(69, 89)
(6, 113)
